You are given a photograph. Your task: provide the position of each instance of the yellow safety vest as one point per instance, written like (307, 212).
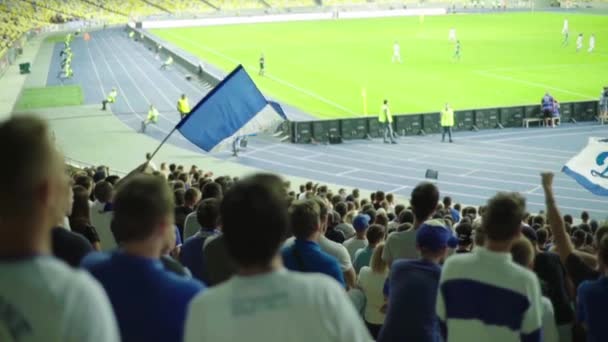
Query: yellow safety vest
(182, 106)
(447, 117)
(112, 96)
(385, 115)
(153, 114)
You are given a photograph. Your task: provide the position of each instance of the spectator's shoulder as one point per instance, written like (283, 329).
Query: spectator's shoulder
(95, 259)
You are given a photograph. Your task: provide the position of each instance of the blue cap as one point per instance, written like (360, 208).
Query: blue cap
(361, 222)
(434, 235)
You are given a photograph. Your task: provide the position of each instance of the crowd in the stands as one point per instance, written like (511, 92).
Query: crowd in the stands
(172, 254)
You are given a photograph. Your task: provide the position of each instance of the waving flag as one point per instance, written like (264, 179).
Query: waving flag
(590, 166)
(233, 109)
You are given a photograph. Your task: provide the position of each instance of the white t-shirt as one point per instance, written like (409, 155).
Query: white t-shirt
(191, 225)
(372, 284)
(42, 299)
(400, 245)
(278, 306)
(102, 222)
(592, 41)
(565, 28)
(353, 245)
(396, 49)
(549, 326)
(332, 248)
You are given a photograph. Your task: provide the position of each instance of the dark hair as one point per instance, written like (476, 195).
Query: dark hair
(172, 167)
(112, 179)
(212, 190)
(208, 213)
(84, 181)
(447, 201)
(457, 207)
(380, 196)
(464, 233)
(375, 233)
(308, 186)
(371, 212)
(579, 237)
(341, 208)
(406, 216)
(538, 220)
(139, 203)
(424, 200)
(178, 184)
(179, 197)
(600, 233)
(304, 218)
(399, 208)
(381, 219)
(503, 215)
(584, 216)
(183, 177)
(568, 219)
(602, 252)
(254, 235)
(390, 198)
(191, 196)
(103, 191)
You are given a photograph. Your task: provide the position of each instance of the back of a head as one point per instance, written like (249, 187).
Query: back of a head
(30, 162)
(579, 237)
(406, 216)
(84, 181)
(375, 233)
(522, 252)
(141, 203)
(464, 233)
(304, 218)
(602, 251)
(424, 200)
(341, 208)
(179, 197)
(447, 201)
(191, 196)
(543, 236)
(208, 213)
(80, 206)
(585, 216)
(254, 219)
(212, 190)
(503, 215)
(103, 191)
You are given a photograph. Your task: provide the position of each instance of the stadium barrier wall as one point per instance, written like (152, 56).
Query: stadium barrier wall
(414, 124)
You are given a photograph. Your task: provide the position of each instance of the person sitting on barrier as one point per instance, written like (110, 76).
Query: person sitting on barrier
(167, 63)
(546, 105)
(110, 99)
(152, 118)
(183, 107)
(386, 120)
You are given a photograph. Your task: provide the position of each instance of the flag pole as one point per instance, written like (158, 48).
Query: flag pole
(162, 143)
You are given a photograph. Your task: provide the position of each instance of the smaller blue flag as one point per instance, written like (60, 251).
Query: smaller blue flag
(234, 108)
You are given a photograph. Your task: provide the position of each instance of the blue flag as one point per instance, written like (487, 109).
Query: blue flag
(590, 166)
(234, 108)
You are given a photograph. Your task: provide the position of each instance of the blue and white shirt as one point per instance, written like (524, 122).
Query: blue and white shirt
(484, 296)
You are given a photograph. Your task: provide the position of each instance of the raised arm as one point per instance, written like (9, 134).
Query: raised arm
(562, 241)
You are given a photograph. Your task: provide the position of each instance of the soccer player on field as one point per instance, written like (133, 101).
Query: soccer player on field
(396, 53)
(452, 35)
(565, 32)
(579, 42)
(457, 50)
(262, 65)
(152, 118)
(591, 43)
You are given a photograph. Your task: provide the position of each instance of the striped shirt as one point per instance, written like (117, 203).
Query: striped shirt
(484, 296)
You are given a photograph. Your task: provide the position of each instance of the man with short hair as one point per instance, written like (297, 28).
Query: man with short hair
(412, 287)
(208, 215)
(265, 302)
(143, 226)
(447, 122)
(41, 298)
(191, 198)
(402, 245)
(375, 234)
(447, 204)
(385, 118)
(360, 223)
(483, 295)
(305, 254)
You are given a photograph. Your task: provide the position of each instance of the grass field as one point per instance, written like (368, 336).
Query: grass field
(322, 66)
(59, 96)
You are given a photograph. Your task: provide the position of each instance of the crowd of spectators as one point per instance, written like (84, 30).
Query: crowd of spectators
(172, 254)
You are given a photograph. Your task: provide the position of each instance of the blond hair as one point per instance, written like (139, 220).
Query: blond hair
(522, 252)
(377, 264)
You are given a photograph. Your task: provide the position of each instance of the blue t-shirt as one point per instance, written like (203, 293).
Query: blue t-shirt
(307, 256)
(149, 302)
(411, 302)
(191, 254)
(591, 308)
(547, 102)
(455, 215)
(362, 257)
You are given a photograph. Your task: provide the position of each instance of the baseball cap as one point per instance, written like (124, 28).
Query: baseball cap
(434, 235)
(361, 222)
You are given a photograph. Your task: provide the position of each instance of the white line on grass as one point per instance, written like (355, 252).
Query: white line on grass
(269, 76)
(534, 84)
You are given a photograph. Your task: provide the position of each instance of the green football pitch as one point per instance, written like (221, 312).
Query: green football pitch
(325, 67)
